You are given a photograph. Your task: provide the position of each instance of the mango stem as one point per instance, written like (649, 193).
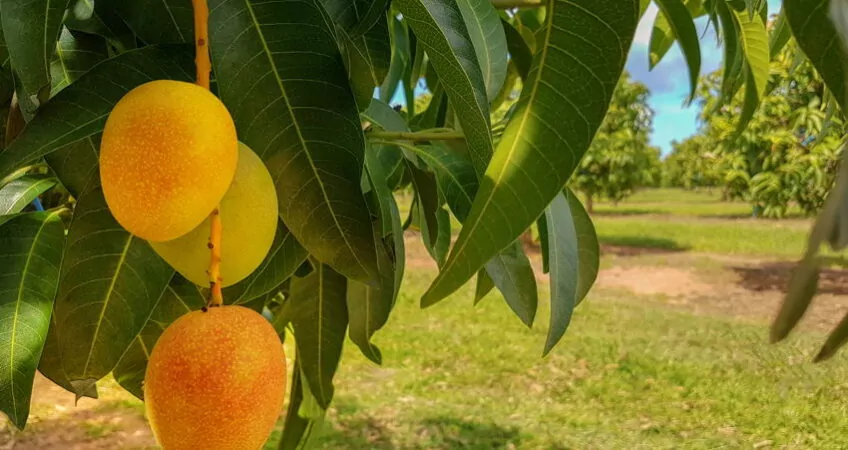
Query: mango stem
(204, 69)
(201, 42)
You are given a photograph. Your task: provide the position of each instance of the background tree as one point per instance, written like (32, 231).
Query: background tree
(620, 158)
(788, 152)
(692, 164)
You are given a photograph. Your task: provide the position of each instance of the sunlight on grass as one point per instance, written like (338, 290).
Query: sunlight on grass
(679, 202)
(628, 374)
(734, 237)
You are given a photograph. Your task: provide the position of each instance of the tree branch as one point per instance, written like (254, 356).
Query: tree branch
(415, 136)
(509, 4)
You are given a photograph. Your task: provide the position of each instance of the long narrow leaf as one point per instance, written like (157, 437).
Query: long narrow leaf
(30, 253)
(582, 55)
(288, 92)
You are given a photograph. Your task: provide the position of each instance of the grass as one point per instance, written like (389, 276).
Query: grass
(779, 239)
(679, 202)
(632, 372)
(629, 374)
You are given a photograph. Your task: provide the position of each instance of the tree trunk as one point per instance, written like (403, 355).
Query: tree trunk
(590, 203)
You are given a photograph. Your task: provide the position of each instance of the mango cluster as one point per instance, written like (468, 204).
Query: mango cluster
(169, 156)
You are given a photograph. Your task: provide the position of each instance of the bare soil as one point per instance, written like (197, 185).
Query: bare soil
(114, 421)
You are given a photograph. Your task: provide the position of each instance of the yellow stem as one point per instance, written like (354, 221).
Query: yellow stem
(201, 41)
(204, 68)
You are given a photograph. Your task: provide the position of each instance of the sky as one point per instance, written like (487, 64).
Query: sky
(669, 81)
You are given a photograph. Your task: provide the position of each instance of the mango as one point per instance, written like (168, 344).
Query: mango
(248, 223)
(168, 154)
(215, 380)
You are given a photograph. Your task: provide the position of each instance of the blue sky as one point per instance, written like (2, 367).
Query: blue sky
(669, 81)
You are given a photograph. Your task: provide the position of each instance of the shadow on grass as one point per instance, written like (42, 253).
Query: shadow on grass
(775, 277)
(357, 432)
(638, 245)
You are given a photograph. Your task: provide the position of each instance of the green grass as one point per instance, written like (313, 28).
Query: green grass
(785, 240)
(679, 202)
(631, 373)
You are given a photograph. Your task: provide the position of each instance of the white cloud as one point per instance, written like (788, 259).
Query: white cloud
(643, 32)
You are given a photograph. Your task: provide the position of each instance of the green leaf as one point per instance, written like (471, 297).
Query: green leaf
(375, 12)
(440, 28)
(30, 254)
(513, 275)
(400, 59)
(438, 241)
(734, 59)
(158, 21)
(519, 51)
(662, 34)
(179, 298)
(320, 322)
(564, 263)
(296, 429)
(838, 337)
(19, 193)
(101, 21)
(800, 293)
(427, 193)
(754, 41)
(389, 213)
(510, 270)
(289, 95)
(7, 84)
(682, 27)
(30, 29)
(542, 228)
(484, 286)
(51, 365)
(80, 110)
(369, 306)
(283, 259)
(780, 35)
(76, 164)
(563, 103)
(110, 283)
(588, 248)
(487, 35)
(367, 58)
(818, 38)
(75, 55)
(369, 310)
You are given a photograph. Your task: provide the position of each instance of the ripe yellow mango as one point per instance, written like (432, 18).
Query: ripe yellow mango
(215, 380)
(248, 223)
(167, 156)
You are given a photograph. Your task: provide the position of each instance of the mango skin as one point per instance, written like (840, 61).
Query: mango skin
(249, 215)
(167, 156)
(216, 380)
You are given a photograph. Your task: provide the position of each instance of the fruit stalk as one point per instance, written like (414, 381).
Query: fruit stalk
(204, 68)
(201, 41)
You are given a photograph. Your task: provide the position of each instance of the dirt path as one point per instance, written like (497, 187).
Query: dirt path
(115, 421)
(742, 287)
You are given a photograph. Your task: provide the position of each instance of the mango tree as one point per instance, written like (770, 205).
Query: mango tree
(86, 292)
